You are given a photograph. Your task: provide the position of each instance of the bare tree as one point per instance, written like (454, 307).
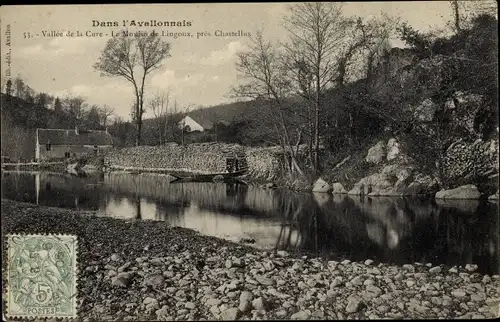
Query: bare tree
(104, 113)
(159, 106)
(133, 58)
(264, 76)
(316, 32)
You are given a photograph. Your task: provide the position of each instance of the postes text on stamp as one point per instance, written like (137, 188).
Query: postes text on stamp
(41, 276)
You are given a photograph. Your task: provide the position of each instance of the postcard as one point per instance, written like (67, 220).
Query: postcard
(250, 161)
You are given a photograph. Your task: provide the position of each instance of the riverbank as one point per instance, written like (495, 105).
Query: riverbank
(145, 270)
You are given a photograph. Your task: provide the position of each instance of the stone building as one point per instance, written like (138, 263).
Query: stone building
(57, 144)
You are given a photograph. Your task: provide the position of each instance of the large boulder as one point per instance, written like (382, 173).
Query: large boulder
(376, 153)
(463, 192)
(393, 149)
(374, 184)
(337, 187)
(422, 184)
(321, 186)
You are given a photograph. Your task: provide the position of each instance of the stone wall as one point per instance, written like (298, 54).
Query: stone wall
(196, 158)
(265, 164)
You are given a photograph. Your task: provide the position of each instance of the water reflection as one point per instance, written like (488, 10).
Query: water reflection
(389, 229)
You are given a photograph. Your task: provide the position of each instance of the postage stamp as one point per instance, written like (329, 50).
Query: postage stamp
(41, 276)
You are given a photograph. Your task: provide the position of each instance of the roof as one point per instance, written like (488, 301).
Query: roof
(203, 122)
(69, 137)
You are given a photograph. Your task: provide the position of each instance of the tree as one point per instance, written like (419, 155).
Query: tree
(104, 113)
(264, 77)
(74, 106)
(58, 108)
(133, 58)
(93, 117)
(159, 106)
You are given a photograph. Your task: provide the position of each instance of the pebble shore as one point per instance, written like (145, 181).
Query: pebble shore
(145, 270)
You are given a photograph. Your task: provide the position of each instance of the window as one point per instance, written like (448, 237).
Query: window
(47, 147)
(96, 150)
(66, 154)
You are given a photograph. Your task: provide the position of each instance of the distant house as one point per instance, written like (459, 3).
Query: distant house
(200, 124)
(64, 143)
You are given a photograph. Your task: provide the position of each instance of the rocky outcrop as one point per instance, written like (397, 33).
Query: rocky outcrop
(395, 180)
(463, 192)
(494, 196)
(321, 186)
(376, 153)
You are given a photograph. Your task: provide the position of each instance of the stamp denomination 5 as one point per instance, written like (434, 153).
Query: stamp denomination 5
(42, 276)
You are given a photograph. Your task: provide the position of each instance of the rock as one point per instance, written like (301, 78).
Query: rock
(264, 280)
(321, 186)
(246, 296)
(471, 267)
(353, 305)
(453, 270)
(331, 293)
(410, 283)
(435, 270)
(229, 263)
(422, 184)
(154, 280)
(486, 279)
(463, 192)
(281, 314)
(301, 315)
(115, 258)
(230, 314)
(494, 196)
(337, 187)
(376, 153)
(245, 306)
(189, 305)
(149, 300)
(357, 280)
(458, 293)
(368, 262)
(213, 302)
(120, 281)
(282, 253)
(258, 304)
(393, 149)
(409, 268)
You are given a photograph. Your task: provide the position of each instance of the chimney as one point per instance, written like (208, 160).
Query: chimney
(76, 130)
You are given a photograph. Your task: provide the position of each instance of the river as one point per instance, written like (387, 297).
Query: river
(391, 230)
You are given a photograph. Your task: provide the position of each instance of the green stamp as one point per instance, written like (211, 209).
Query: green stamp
(41, 276)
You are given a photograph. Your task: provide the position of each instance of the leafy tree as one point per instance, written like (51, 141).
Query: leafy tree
(133, 58)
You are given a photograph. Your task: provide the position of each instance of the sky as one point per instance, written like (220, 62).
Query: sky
(200, 71)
